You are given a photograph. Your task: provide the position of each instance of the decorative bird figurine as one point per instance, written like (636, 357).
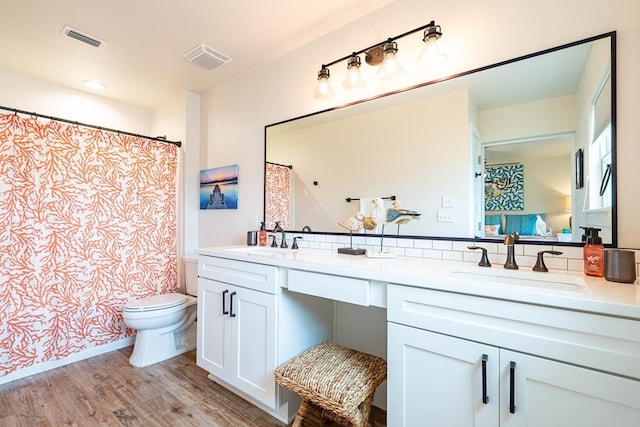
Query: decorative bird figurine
(395, 215)
(353, 223)
(368, 223)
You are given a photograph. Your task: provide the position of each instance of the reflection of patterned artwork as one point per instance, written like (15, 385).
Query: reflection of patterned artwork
(504, 188)
(87, 221)
(278, 195)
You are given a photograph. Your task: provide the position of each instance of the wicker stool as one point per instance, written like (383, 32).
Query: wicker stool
(335, 381)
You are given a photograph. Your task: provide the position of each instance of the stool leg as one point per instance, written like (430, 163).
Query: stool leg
(364, 410)
(302, 416)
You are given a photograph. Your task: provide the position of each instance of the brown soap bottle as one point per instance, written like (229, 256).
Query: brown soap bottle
(594, 254)
(262, 235)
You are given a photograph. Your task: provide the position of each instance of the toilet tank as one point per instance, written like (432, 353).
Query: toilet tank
(191, 275)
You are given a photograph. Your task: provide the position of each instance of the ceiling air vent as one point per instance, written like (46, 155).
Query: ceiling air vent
(206, 57)
(83, 37)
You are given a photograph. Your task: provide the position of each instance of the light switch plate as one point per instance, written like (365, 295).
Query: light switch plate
(446, 216)
(448, 201)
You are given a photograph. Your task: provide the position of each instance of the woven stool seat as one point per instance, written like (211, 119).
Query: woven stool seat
(338, 382)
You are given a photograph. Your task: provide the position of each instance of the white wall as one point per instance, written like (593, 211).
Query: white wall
(27, 93)
(531, 119)
(476, 34)
(403, 151)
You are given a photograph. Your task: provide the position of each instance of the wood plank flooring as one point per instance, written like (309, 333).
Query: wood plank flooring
(106, 391)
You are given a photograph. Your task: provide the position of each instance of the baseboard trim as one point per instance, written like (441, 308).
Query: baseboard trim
(52, 364)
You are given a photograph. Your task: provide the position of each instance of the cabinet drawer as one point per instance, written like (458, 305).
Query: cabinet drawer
(260, 277)
(338, 288)
(601, 342)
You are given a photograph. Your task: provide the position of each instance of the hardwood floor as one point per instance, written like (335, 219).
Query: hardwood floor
(105, 390)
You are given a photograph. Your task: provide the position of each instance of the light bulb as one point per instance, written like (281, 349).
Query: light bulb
(390, 66)
(432, 56)
(354, 78)
(323, 88)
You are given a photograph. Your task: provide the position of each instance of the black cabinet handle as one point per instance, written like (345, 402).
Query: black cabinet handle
(224, 310)
(512, 387)
(485, 398)
(231, 314)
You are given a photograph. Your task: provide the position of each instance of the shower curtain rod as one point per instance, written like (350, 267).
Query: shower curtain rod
(57, 119)
(278, 164)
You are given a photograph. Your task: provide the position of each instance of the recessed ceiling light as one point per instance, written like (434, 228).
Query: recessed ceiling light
(92, 84)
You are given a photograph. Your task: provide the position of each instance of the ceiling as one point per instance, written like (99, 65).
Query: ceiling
(142, 62)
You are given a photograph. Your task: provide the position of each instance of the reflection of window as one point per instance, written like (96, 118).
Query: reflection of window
(600, 146)
(599, 170)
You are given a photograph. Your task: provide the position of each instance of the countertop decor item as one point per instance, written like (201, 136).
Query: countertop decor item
(352, 223)
(620, 265)
(382, 216)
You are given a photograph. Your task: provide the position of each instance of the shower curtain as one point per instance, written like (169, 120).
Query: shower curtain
(87, 221)
(278, 195)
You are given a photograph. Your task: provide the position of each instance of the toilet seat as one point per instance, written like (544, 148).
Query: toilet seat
(156, 302)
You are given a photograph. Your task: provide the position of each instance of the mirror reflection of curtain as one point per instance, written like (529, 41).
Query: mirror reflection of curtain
(279, 195)
(87, 222)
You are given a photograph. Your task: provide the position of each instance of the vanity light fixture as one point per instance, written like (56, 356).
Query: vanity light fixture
(381, 54)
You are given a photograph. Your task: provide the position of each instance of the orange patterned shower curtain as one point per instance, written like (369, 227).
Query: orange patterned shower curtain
(278, 195)
(87, 221)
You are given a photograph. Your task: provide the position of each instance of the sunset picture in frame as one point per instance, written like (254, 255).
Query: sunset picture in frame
(219, 188)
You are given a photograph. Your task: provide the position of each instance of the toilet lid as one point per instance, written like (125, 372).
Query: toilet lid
(156, 302)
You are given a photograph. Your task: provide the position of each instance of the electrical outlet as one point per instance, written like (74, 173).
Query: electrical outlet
(448, 201)
(446, 216)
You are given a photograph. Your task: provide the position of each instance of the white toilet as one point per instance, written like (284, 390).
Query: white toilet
(165, 324)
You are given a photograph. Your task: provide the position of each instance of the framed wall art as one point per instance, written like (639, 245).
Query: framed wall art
(219, 188)
(504, 188)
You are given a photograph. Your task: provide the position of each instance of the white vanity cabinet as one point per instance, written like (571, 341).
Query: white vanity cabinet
(236, 325)
(460, 360)
(248, 324)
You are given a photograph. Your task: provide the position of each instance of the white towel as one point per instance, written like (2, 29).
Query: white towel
(366, 205)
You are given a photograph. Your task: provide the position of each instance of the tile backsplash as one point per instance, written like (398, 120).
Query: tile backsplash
(526, 255)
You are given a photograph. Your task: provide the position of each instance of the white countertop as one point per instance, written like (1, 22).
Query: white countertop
(558, 288)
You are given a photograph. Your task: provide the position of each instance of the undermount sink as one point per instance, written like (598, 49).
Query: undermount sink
(490, 276)
(259, 250)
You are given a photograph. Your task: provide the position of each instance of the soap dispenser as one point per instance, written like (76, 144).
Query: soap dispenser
(594, 254)
(585, 234)
(262, 235)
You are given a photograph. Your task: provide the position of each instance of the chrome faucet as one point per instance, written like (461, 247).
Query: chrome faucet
(510, 242)
(277, 227)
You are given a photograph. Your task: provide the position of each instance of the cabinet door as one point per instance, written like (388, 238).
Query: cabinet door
(554, 394)
(214, 329)
(437, 380)
(254, 348)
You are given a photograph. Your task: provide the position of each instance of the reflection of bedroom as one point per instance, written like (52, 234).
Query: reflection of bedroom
(556, 126)
(545, 187)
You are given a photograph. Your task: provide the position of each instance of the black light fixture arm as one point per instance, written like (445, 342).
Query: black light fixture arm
(390, 39)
